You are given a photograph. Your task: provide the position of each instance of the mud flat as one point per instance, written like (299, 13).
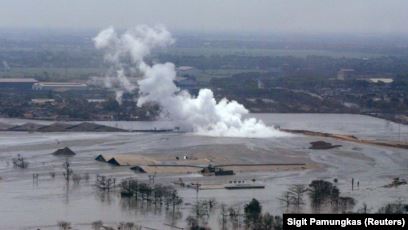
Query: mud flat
(52, 200)
(63, 127)
(349, 138)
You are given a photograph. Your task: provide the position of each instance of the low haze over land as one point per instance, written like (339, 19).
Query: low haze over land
(265, 16)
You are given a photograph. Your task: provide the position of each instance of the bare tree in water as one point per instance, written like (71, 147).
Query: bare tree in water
(20, 162)
(67, 170)
(64, 225)
(297, 192)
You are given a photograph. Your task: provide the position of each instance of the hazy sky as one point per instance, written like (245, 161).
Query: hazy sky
(269, 16)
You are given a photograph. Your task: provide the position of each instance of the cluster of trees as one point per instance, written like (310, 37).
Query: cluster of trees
(200, 214)
(98, 225)
(323, 196)
(320, 195)
(156, 194)
(67, 173)
(255, 219)
(251, 217)
(392, 208)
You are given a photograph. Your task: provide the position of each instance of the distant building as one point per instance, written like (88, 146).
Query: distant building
(59, 86)
(184, 68)
(383, 80)
(96, 100)
(24, 84)
(344, 74)
(42, 101)
(187, 70)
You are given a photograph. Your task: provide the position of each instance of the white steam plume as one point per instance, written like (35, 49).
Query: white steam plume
(202, 114)
(126, 50)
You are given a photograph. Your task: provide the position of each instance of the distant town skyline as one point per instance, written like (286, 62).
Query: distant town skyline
(262, 16)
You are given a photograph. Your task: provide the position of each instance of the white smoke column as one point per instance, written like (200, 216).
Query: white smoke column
(201, 114)
(134, 45)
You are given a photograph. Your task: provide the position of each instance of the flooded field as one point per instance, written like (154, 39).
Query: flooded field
(32, 204)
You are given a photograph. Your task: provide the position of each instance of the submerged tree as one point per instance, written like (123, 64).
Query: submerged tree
(76, 178)
(345, 203)
(223, 219)
(67, 170)
(105, 183)
(394, 208)
(156, 194)
(64, 225)
(20, 162)
(96, 225)
(129, 226)
(294, 197)
(324, 194)
(269, 222)
(235, 217)
(201, 211)
(252, 212)
(286, 199)
(297, 191)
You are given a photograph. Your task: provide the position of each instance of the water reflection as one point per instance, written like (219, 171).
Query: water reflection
(105, 197)
(143, 208)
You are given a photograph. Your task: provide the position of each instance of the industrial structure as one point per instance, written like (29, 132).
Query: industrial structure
(60, 86)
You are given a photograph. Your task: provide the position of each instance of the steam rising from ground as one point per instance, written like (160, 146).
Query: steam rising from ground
(201, 114)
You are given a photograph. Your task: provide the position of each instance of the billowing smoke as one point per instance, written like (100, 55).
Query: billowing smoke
(201, 114)
(125, 53)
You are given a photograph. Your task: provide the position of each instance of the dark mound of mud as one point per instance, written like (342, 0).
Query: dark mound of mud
(28, 127)
(92, 127)
(4, 126)
(55, 127)
(65, 127)
(67, 152)
(322, 145)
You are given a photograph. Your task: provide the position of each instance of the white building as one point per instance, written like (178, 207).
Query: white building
(384, 80)
(59, 86)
